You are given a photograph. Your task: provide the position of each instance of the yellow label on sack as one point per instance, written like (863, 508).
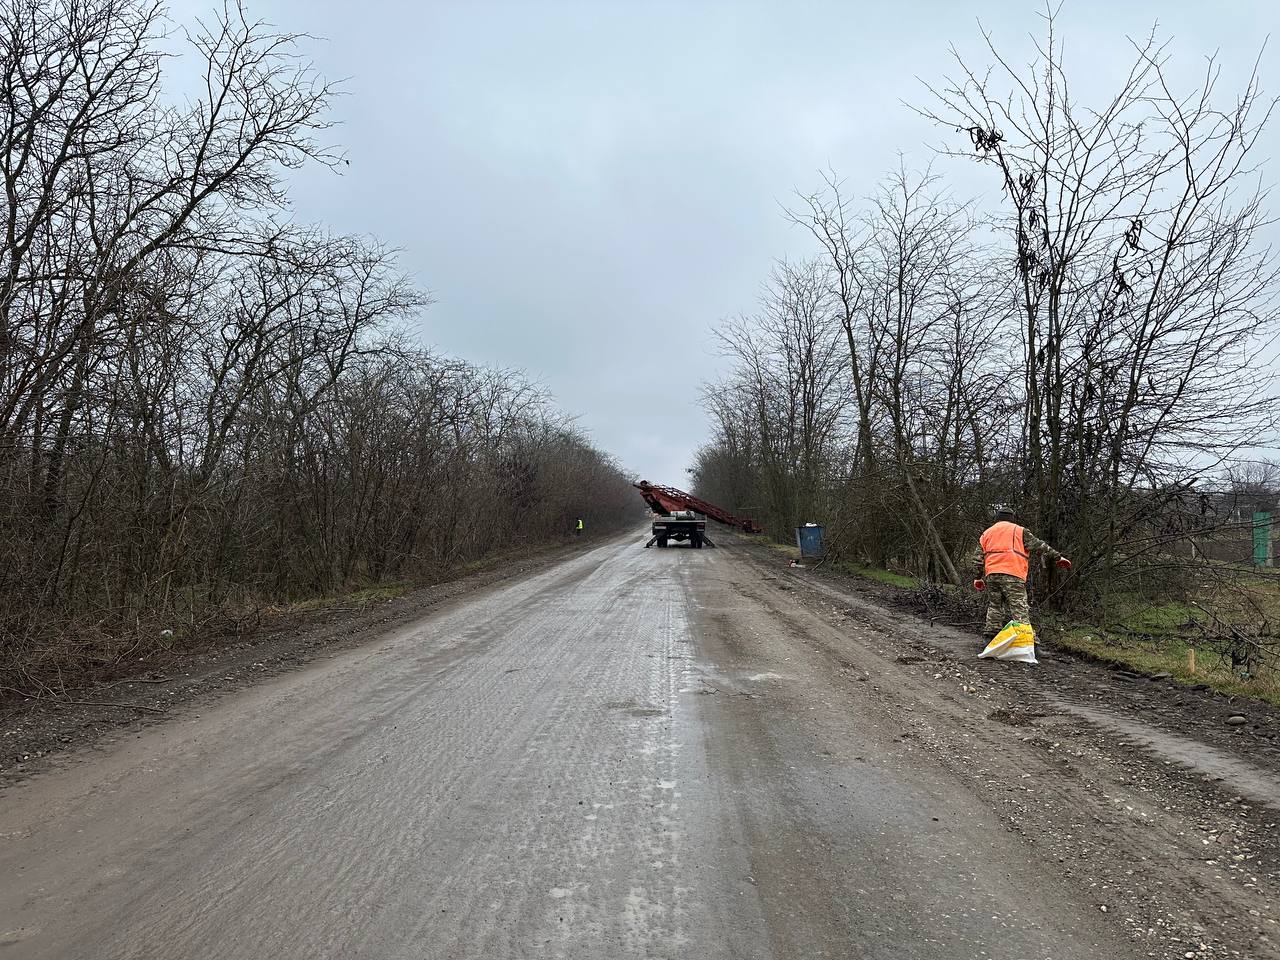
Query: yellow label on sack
(1016, 641)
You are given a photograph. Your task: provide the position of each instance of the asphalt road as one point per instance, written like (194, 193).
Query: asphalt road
(634, 753)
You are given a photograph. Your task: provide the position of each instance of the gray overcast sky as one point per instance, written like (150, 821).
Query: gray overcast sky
(587, 187)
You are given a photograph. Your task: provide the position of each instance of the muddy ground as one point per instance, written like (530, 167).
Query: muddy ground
(1150, 794)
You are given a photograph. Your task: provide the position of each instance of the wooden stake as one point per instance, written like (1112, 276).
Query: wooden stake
(1191, 659)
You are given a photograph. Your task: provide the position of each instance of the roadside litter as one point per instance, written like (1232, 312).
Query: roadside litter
(1017, 641)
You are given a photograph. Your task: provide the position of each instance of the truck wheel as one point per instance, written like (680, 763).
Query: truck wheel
(662, 541)
(696, 540)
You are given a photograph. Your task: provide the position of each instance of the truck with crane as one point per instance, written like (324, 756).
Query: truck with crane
(681, 517)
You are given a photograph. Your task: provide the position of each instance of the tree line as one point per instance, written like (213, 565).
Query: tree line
(205, 405)
(1089, 346)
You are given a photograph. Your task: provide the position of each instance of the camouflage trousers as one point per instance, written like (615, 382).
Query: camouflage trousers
(1006, 600)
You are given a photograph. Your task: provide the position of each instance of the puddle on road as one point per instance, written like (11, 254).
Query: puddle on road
(635, 708)
(707, 678)
(1241, 776)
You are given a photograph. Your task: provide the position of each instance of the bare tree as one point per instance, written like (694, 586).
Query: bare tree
(202, 408)
(788, 379)
(1091, 351)
(1143, 285)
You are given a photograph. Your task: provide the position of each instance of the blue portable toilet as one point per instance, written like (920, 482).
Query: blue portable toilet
(809, 540)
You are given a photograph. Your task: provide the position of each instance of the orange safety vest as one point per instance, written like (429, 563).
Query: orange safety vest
(1003, 550)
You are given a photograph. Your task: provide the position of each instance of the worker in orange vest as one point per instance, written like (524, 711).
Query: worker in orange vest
(1004, 553)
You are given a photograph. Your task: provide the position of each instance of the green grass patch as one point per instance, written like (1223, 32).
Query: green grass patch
(866, 572)
(878, 574)
(1155, 654)
(1162, 619)
(787, 549)
(359, 598)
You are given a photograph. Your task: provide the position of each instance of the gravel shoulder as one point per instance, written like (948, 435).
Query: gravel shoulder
(1135, 792)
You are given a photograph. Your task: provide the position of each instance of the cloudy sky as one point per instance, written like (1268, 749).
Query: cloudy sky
(587, 187)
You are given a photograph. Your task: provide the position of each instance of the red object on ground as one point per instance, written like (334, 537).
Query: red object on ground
(979, 584)
(667, 500)
(1064, 564)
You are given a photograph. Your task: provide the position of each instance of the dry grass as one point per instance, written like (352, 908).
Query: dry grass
(1153, 655)
(1229, 610)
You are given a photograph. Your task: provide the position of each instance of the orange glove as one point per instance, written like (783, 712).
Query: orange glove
(1064, 563)
(979, 585)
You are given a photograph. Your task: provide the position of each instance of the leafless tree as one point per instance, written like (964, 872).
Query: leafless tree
(1144, 287)
(204, 407)
(789, 378)
(1091, 351)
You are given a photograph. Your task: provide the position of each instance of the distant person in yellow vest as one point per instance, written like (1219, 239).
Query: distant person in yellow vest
(578, 528)
(1004, 555)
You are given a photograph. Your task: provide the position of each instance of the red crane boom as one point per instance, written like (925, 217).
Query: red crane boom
(667, 500)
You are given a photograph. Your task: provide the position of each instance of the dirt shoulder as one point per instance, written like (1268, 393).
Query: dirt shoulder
(1180, 709)
(38, 731)
(1136, 794)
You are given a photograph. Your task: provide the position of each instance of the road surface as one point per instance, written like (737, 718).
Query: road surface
(631, 754)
